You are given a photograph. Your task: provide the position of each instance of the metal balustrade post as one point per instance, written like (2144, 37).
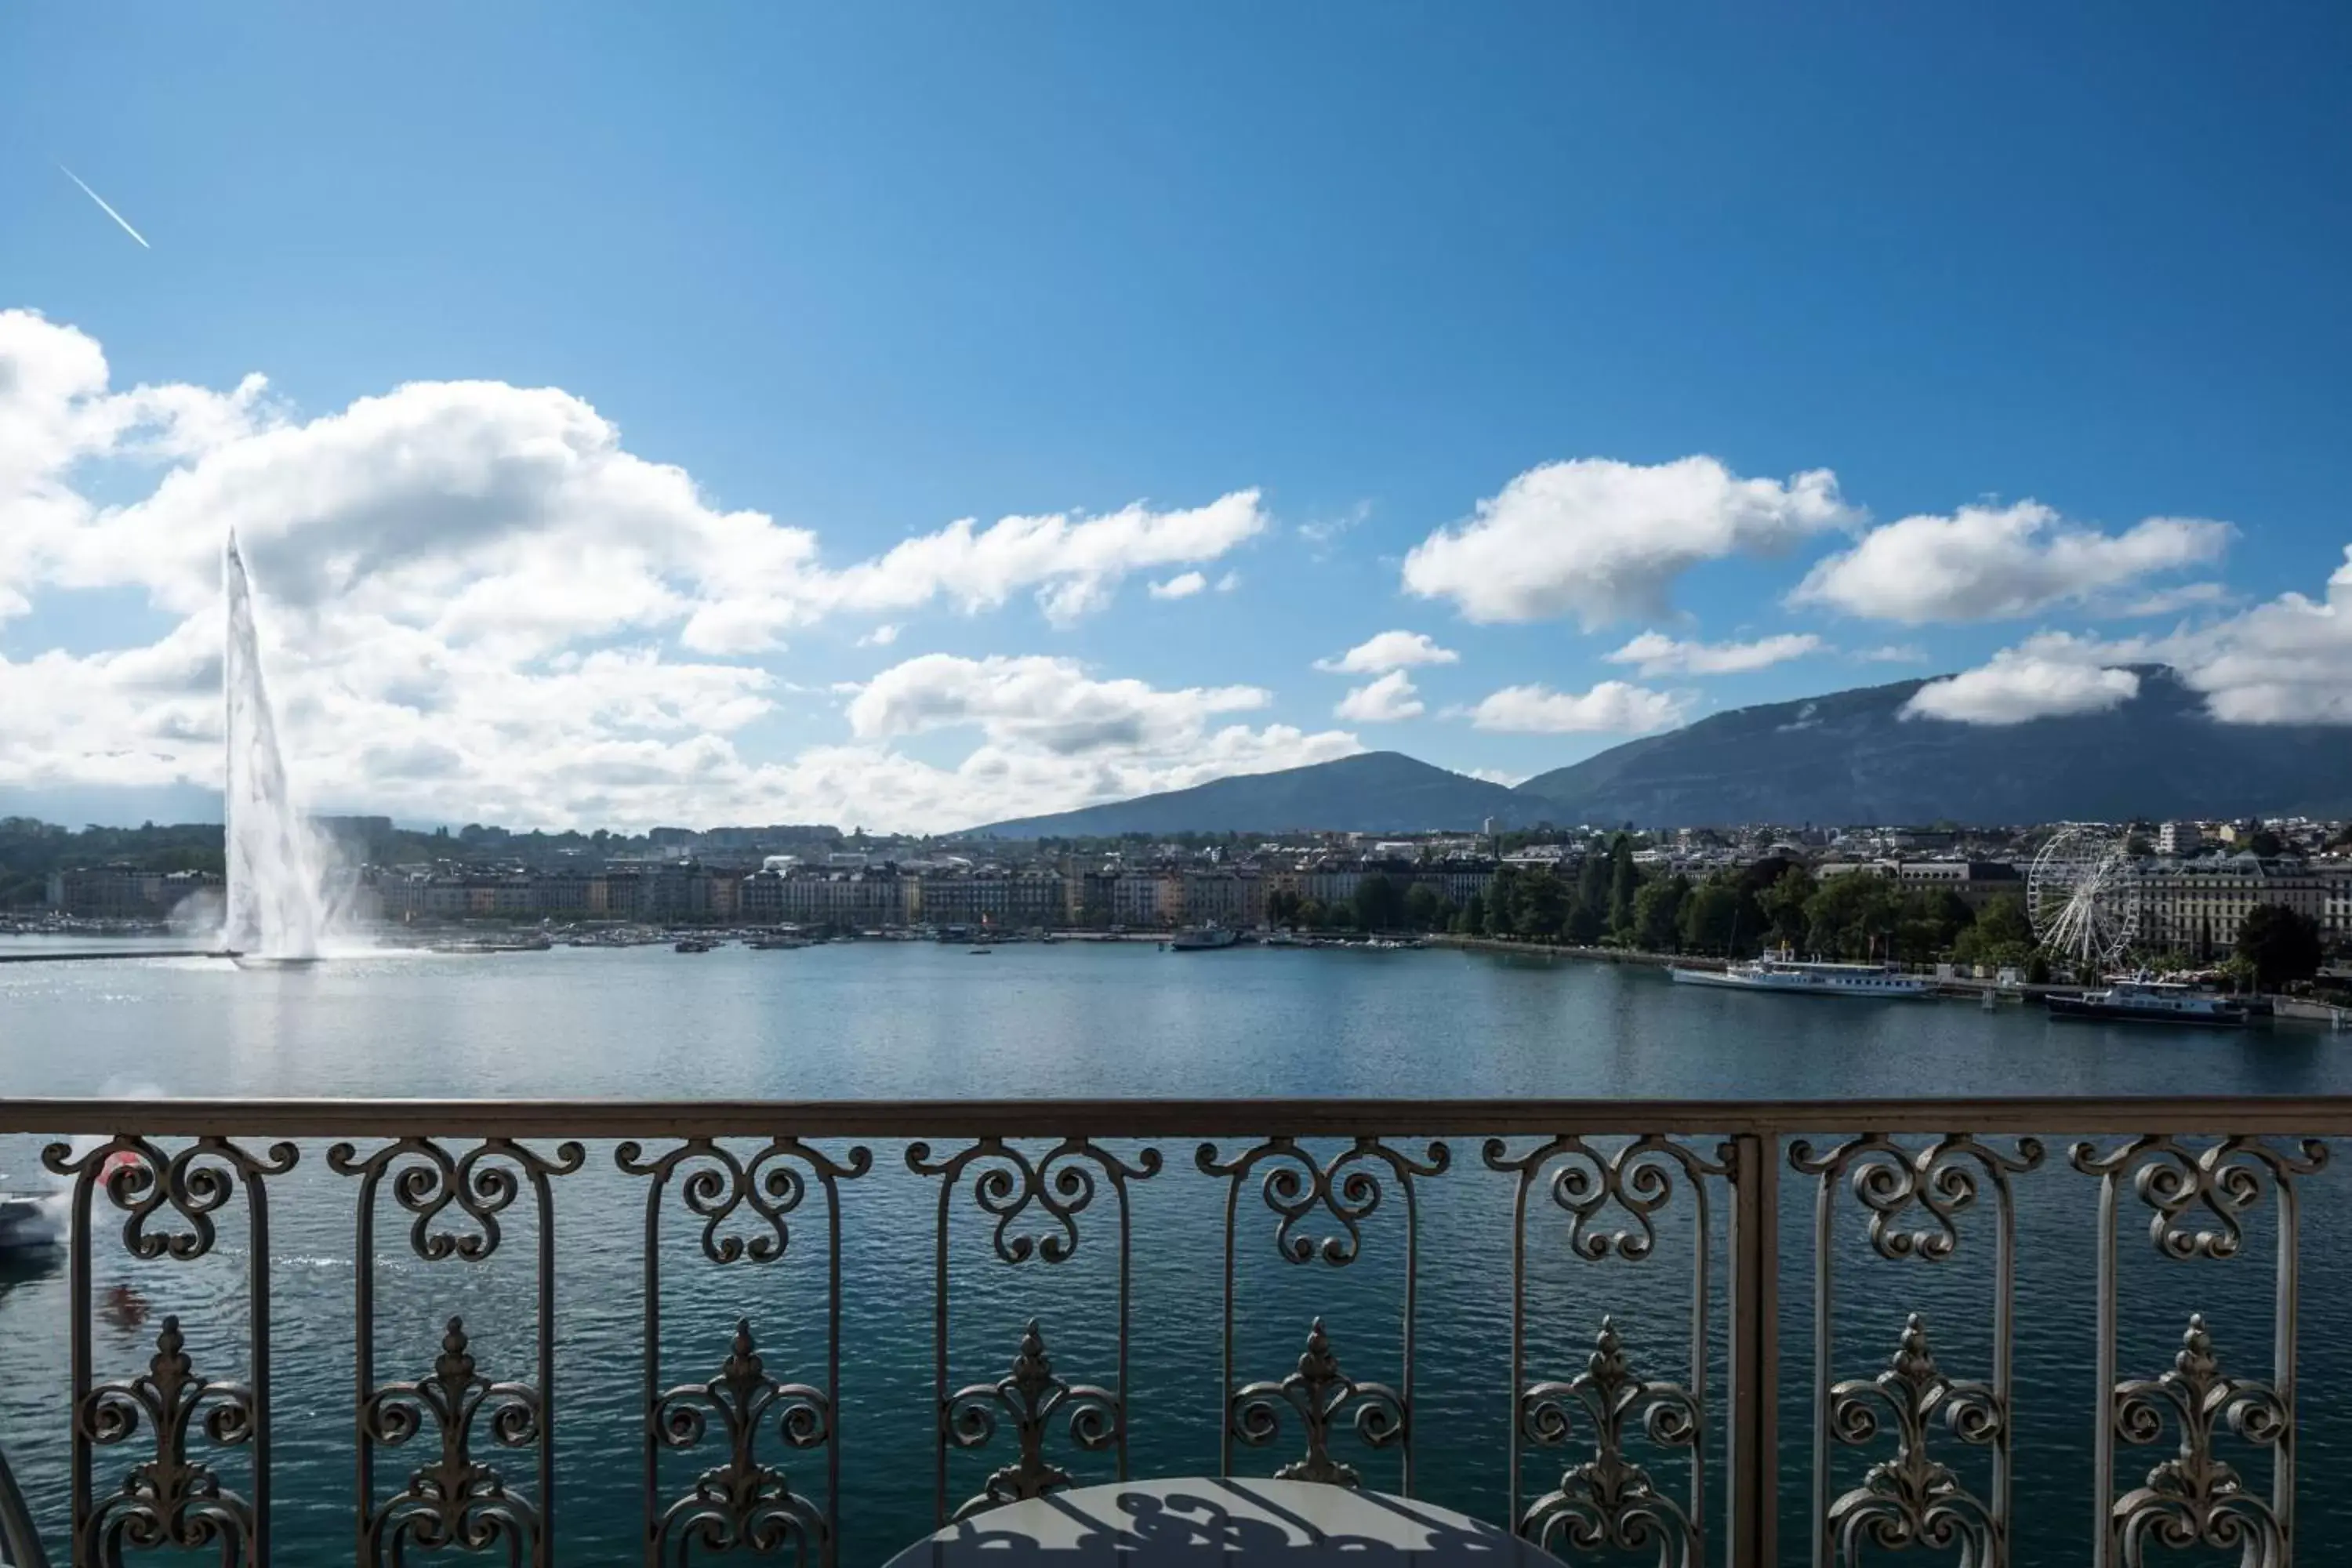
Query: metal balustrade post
(20, 1543)
(1751, 1453)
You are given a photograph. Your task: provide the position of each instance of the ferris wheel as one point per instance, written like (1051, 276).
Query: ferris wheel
(2083, 896)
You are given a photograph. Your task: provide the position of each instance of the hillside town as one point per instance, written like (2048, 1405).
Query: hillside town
(1911, 894)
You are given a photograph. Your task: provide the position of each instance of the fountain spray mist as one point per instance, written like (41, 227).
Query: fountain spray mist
(274, 909)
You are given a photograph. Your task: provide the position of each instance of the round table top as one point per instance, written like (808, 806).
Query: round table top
(1221, 1520)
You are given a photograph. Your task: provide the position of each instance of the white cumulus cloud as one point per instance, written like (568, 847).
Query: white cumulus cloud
(477, 603)
(1046, 701)
(2284, 661)
(1612, 707)
(1992, 562)
(1389, 700)
(1602, 541)
(2050, 676)
(1384, 651)
(1655, 653)
(2287, 661)
(1183, 586)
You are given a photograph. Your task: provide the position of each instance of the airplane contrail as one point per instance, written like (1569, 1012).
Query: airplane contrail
(108, 211)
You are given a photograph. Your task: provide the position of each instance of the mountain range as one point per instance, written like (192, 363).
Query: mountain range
(1847, 757)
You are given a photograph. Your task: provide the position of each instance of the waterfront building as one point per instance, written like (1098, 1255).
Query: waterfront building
(1233, 899)
(124, 893)
(1146, 899)
(2195, 907)
(2180, 839)
(107, 892)
(858, 899)
(1977, 882)
(1017, 900)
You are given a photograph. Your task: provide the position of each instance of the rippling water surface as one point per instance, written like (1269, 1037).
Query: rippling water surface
(907, 1020)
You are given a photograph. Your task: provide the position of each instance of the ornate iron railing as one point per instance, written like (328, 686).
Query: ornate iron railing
(1658, 1457)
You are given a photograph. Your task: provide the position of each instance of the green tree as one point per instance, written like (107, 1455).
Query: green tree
(1282, 906)
(1378, 903)
(2000, 934)
(1624, 882)
(1474, 915)
(1542, 908)
(1658, 914)
(2280, 944)
(1710, 917)
(1501, 894)
(1929, 921)
(1425, 908)
(1852, 915)
(2266, 844)
(1310, 914)
(1783, 904)
(1588, 911)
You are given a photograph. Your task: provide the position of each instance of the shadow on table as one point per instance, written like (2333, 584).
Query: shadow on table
(1187, 1523)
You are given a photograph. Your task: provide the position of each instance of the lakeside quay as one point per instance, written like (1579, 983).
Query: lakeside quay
(1954, 986)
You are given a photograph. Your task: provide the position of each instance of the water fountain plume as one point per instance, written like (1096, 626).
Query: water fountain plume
(275, 911)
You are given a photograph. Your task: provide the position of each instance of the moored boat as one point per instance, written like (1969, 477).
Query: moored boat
(2141, 1000)
(1797, 977)
(27, 1222)
(1202, 938)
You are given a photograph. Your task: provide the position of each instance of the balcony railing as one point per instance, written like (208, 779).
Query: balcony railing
(1747, 1245)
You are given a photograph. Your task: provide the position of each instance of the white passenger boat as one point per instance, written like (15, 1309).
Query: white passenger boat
(1202, 938)
(1801, 978)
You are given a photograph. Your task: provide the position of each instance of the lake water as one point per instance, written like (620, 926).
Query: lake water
(913, 1020)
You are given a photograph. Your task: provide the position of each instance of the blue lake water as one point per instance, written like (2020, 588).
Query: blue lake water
(918, 1021)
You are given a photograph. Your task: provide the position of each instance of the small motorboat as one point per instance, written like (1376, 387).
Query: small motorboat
(264, 961)
(28, 1222)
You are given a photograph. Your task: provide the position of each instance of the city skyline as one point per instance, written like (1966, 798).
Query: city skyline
(915, 423)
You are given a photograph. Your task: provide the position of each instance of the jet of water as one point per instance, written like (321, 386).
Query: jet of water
(275, 907)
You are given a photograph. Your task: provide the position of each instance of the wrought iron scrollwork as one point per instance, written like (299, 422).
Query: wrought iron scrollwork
(1347, 1187)
(1320, 1394)
(2196, 1499)
(1053, 1189)
(1915, 1198)
(481, 1184)
(1033, 1397)
(719, 1184)
(171, 1500)
(2198, 1200)
(1941, 1180)
(1636, 1179)
(1060, 1185)
(744, 1503)
(457, 1502)
(169, 1201)
(1608, 1502)
(1913, 1499)
(143, 1182)
(454, 1499)
(2184, 1186)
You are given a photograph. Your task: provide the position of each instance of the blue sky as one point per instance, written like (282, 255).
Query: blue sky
(865, 271)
